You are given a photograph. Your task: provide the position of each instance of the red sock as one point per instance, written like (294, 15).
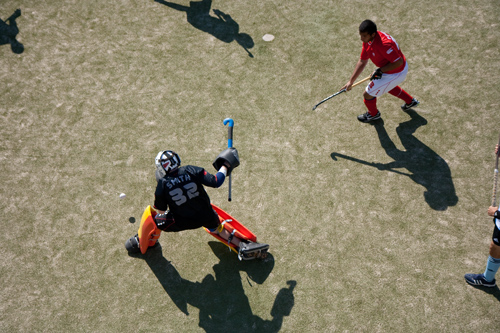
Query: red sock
(400, 93)
(371, 105)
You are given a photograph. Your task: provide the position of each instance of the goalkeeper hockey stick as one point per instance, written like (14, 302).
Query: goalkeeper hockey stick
(230, 123)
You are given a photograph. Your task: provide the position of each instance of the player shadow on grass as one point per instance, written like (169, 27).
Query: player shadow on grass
(425, 166)
(8, 33)
(221, 300)
(495, 291)
(222, 27)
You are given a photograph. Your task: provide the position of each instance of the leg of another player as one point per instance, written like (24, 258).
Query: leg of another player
(402, 94)
(493, 263)
(371, 103)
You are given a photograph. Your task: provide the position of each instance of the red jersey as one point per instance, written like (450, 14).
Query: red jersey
(382, 50)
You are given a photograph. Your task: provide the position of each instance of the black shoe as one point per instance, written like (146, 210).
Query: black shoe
(251, 250)
(132, 244)
(367, 117)
(406, 107)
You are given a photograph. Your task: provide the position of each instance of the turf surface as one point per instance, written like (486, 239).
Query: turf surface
(371, 227)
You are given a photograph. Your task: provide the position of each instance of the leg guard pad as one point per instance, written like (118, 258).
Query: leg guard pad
(148, 231)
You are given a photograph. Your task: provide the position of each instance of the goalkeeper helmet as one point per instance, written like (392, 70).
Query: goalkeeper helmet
(167, 161)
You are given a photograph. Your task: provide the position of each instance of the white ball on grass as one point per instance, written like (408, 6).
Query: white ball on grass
(268, 37)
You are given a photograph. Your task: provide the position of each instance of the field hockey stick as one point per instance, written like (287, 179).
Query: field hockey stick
(229, 145)
(340, 92)
(495, 178)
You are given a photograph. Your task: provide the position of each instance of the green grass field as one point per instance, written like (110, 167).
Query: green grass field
(371, 227)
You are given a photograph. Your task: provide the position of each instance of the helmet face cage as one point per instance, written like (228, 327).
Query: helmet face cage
(167, 161)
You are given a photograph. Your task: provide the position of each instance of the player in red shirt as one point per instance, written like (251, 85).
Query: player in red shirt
(385, 53)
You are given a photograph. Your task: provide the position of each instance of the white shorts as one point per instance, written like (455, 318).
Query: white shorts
(385, 84)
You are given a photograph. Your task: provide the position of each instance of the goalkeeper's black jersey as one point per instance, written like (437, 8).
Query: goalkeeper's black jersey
(182, 192)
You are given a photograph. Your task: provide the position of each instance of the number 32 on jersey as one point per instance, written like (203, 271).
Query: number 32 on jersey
(179, 194)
